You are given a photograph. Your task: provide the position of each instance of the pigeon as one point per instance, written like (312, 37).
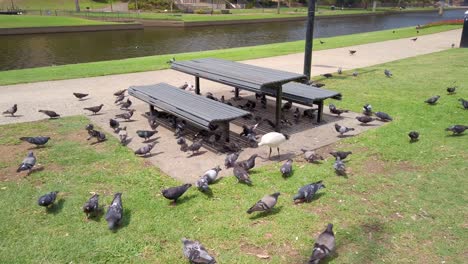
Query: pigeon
(114, 124)
(38, 141)
(153, 123)
(91, 206)
(286, 169)
(365, 119)
(367, 109)
(47, 199)
(327, 75)
(171, 60)
(321, 42)
(230, 159)
(414, 39)
(246, 130)
(352, 52)
(183, 86)
(126, 104)
(49, 113)
(195, 147)
(451, 89)
(464, 103)
(388, 73)
(324, 245)
(241, 174)
(146, 134)
(335, 110)
(307, 192)
(11, 111)
(355, 73)
(273, 139)
(202, 184)
(114, 214)
(433, 100)
(119, 99)
(339, 167)
(28, 163)
(311, 156)
(263, 101)
(143, 151)
(457, 129)
(123, 135)
(80, 95)
(340, 70)
(183, 144)
(453, 45)
(174, 193)
(297, 115)
(212, 174)
(342, 129)
(120, 92)
(265, 204)
(287, 106)
(310, 113)
(341, 154)
(413, 136)
(249, 163)
(127, 115)
(94, 133)
(383, 116)
(94, 109)
(315, 84)
(196, 253)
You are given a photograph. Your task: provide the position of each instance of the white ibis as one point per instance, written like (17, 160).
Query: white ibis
(273, 139)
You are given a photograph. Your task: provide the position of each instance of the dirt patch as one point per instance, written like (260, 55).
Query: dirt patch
(254, 250)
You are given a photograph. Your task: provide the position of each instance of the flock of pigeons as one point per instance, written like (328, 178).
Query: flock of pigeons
(193, 249)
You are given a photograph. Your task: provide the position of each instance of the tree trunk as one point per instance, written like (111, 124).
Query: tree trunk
(374, 5)
(77, 5)
(441, 7)
(278, 11)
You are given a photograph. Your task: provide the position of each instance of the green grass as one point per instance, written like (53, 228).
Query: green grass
(47, 21)
(159, 61)
(51, 4)
(401, 203)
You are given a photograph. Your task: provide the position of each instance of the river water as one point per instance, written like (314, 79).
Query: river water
(35, 50)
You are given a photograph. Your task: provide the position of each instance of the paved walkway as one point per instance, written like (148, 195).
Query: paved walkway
(57, 96)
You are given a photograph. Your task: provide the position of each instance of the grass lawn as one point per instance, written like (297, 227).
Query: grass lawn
(159, 61)
(51, 4)
(46, 21)
(401, 203)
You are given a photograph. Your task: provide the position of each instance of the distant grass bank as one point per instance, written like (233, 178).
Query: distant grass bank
(47, 21)
(52, 4)
(158, 62)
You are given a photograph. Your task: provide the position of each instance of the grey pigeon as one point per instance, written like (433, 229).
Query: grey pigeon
(433, 100)
(12, 110)
(114, 214)
(212, 174)
(126, 104)
(114, 124)
(231, 159)
(340, 70)
(47, 199)
(414, 136)
(241, 174)
(464, 103)
(94, 109)
(307, 192)
(342, 129)
(457, 129)
(119, 99)
(94, 133)
(202, 183)
(152, 122)
(183, 86)
(335, 110)
(146, 134)
(120, 92)
(310, 113)
(174, 193)
(49, 113)
(38, 141)
(297, 115)
(367, 109)
(451, 90)
(28, 163)
(365, 119)
(383, 116)
(355, 74)
(388, 73)
(195, 147)
(341, 154)
(339, 167)
(324, 245)
(311, 156)
(127, 115)
(249, 163)
(80, 95)
(123, 135)
(91, 207)
(287, 106)
(265, 204)
(287, 169)
(143, 151)
(196, 253)
(246, 130)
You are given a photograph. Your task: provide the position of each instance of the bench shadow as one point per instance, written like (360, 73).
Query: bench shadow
(273, 211)
(56, 207)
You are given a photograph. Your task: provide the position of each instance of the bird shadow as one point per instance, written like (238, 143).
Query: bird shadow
(152, 155)
(56, 207)
(285, 177)
(84, 99)
(98, 142)
(127, 141)
(455, 135)
(330, 258)
(37, 169)
(413, 141)
(97, 216)
(208, 193)
(37, 147)
(13, 116)
(273, 211)
(127, 217)
(197, 154)
(151, 140)
(97, 114)
(345, 136)
(344, 175)
(314, 198)
(184, 199)
(129, 120)
(368, 125)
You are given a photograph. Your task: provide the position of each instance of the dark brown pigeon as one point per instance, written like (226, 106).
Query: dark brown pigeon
(335, 110)
(249, 163)
(327, 75)
(433, 100)
(365, 119)
(80, 95)
(174, 193)
(126, 104)
(414, 136)
(94, 109)
(464, 103)
(91, 207)
(241, 174)
(340, 154)
(50, 113)
(127, 115)
(120, 92)
(146, 134)
(457, 129)
(352, 52)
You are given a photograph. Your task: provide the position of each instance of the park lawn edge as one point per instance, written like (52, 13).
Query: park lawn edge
(7, 22)
(159, 62)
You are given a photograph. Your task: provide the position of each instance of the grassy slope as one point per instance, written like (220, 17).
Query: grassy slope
(402, 202)
(46, 21)
(51, 4)
(159, 61)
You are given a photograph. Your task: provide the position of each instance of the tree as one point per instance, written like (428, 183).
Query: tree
(77, 5)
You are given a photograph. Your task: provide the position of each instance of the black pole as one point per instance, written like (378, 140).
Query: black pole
(309, 38)
(464, 37)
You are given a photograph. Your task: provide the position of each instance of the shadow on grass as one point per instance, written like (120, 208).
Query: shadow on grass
(273, 211)
(56, 207)
(96, 217)
(37, 169)
(208, 193)
(98, 142)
